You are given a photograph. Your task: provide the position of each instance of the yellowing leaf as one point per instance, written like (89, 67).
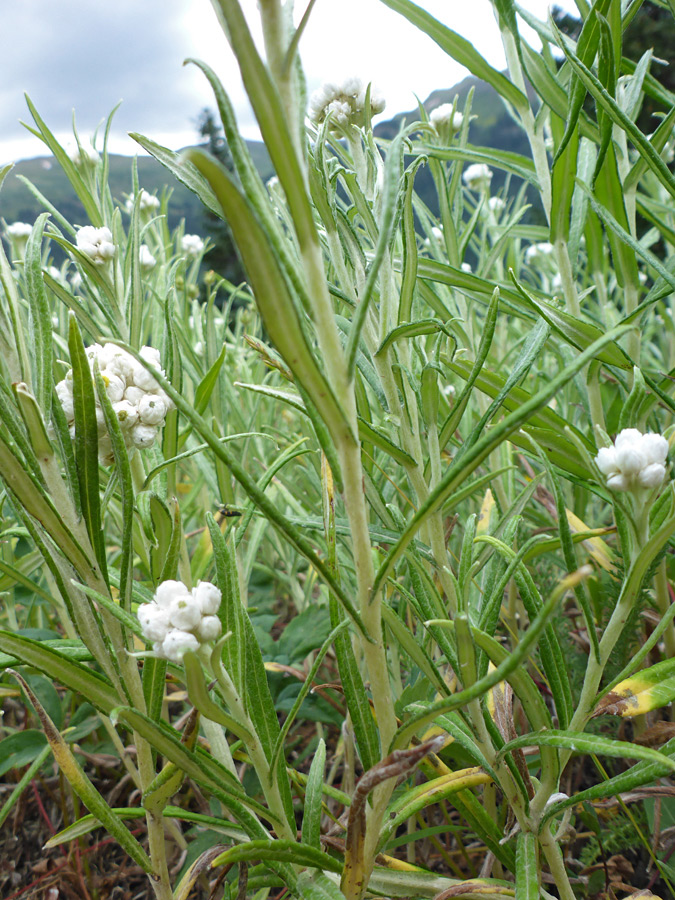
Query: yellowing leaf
(597, 548)
(488, 504)
(648, 689)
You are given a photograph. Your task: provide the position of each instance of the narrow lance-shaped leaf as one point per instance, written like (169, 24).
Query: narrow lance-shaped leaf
(83, 787)
(484, 446)
(272, 295)
(648, 689)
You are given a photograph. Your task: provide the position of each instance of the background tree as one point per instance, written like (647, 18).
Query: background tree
(223, 256)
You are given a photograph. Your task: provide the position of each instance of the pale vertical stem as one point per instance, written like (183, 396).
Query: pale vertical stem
(219, 746)
(556, 864)
(161, 883)
(536, 141)
(663, 601)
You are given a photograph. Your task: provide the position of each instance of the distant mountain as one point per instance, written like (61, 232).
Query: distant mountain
(491, 127)
(18, 204)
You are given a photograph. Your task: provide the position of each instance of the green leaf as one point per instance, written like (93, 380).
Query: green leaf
(270, 509)
(575, 331)
(84, 789)
(617, 115)
(66, 671)
(313, 806)
(272, 294)
(185, 171)
(423, 795)
(202, 768)
(514, 163)
(501, 673)
(20, 748)
(41, 319)
(456, 474)
(579, 742)
(284, 851)
(208, 383)
(86, 441)
(527, 867)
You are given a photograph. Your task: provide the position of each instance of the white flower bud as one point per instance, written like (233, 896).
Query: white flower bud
(343, 104)
(209, 628)
(443, 118)
(191, 244)
(134, 394)
(654, 447)
(208, 597)
(19, 231)
(96, 243)
(617, 482)
(636, 461)
(145, 258)
(177, 643)
(168, 591)
(152, 409)
(154, 621)
(629, 459)
(127, 414)
(652, 475)
(538, 253)
(82, 155)
(105, 451)
(477, 177)
(64, 392)
(143, 436)
(606, 461)
(114, 386)
(184, 612)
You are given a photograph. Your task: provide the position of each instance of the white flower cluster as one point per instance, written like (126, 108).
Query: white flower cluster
(179, 620)
(137, 399)
(20, 231)
(443, 117)
(96, 243)
(145, 258)
(343, 103)
(147, 202)
(82, 155)
(477, 177)
(536, 254)
(635, 461)
(191, 244)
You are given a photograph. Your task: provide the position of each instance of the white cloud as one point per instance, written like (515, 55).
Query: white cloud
(87, 56)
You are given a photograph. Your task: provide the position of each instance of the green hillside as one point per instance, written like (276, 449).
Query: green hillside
(18, 203)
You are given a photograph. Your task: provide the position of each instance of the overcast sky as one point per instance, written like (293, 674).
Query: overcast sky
(86, 56)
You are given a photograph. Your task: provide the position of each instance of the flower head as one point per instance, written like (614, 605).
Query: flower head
(343, 103)
(178, 620)
(19, 231)
(137, 400)
(96, 243)
(191, 244)
(146, 202)
(539, 253)
(636, 461)
(145, 258)
(477, 177)
(83, 155)
(444, 118)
